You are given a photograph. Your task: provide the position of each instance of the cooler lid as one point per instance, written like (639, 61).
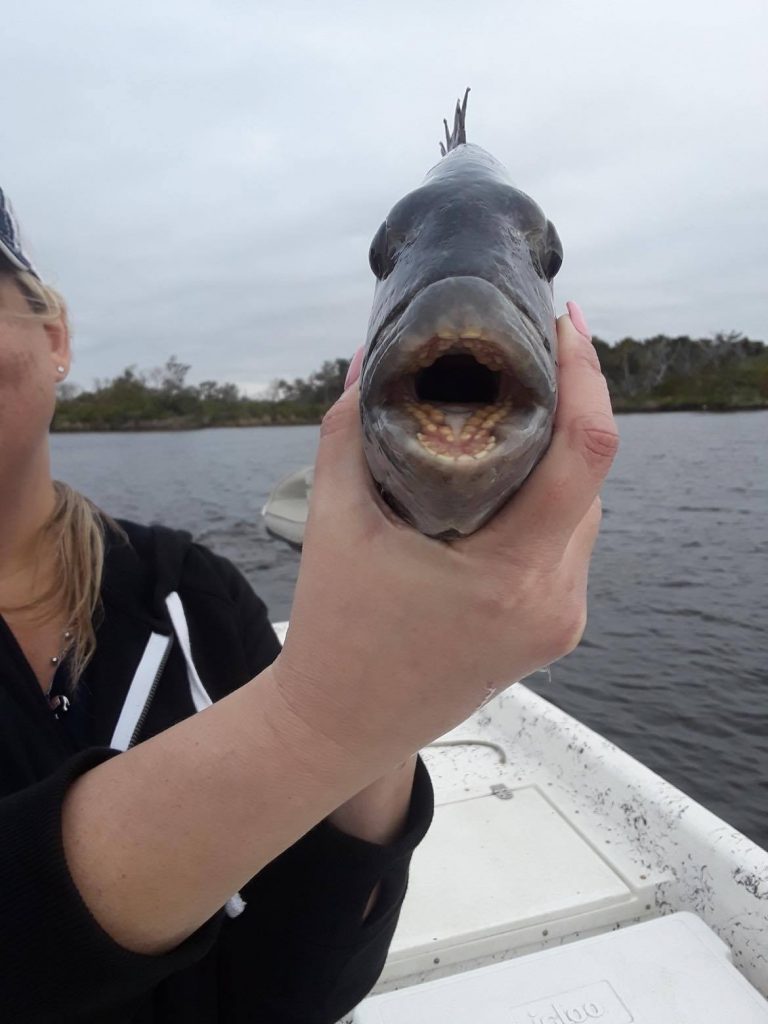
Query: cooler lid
(672, 970)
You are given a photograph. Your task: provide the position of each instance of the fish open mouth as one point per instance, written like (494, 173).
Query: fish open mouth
(458, 398)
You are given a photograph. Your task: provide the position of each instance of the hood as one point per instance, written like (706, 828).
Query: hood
(142, 568)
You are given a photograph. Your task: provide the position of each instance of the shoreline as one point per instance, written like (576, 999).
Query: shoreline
(175, 426)
(691, 407)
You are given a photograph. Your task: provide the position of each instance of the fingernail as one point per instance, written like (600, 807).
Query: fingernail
(354, 368)
(577, 319)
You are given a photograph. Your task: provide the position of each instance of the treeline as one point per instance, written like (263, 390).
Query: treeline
(161, 399)
(728, 371)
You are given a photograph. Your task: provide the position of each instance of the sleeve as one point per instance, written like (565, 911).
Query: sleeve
(54, 953)
(301, 942)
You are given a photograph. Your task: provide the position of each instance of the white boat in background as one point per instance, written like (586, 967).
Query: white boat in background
(285, 511)
(563, 881)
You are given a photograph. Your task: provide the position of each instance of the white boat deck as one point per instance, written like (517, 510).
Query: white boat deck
(546, 833)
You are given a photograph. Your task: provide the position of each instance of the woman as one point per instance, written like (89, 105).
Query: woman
(246, 862)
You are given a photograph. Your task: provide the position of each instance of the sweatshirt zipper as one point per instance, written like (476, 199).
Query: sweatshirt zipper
(153, 688)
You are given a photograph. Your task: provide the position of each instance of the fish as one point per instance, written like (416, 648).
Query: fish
(458, 386)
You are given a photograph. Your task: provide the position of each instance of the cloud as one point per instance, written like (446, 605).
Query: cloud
(204, 178)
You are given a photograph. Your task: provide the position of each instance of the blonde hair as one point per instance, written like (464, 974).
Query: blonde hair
(44, 302)
(75, 533)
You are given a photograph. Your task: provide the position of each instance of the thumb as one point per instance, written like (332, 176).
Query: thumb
(341, 473)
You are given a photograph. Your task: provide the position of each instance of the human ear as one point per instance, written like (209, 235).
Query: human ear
(57, 332)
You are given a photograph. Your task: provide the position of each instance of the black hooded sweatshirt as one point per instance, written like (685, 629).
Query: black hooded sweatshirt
(292, 947)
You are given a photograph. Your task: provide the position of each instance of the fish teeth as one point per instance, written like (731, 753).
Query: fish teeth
(493, 362)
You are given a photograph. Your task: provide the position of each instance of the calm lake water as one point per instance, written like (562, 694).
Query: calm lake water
(674, 663)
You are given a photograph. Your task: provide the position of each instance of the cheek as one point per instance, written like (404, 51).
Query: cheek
(27, 392)
(17, 369)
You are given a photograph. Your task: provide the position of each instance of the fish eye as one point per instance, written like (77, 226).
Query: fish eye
(553, 252)
(385, 248)
(552, 263)
(378, 254)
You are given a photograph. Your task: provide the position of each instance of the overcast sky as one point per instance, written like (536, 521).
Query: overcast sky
(204, 178)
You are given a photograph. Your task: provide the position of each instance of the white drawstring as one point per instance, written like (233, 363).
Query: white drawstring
(235, 905)
(140, 691)
(199, 694)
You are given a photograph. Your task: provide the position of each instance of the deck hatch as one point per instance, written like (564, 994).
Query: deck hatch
(492, 866)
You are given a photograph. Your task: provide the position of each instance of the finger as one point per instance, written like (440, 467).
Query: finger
(341, 475)
(340, 454)
(584, 537)
(559, 492)
(574, 569)
(343, 488)
(355, 365)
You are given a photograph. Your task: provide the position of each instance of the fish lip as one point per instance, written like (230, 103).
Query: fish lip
(519, 342)
(443, 497)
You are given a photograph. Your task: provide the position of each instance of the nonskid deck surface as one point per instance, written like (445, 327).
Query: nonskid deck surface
(546, 833)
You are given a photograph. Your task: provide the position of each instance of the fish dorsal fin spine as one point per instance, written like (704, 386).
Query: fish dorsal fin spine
(459, 134)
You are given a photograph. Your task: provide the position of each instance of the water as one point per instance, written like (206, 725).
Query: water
(674, 663)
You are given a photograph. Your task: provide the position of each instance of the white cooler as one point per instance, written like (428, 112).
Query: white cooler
(672, 970)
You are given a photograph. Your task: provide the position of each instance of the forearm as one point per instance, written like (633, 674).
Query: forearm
(160, 837)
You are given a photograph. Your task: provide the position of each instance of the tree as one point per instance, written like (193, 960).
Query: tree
(274, 391)
(174, 376)
(67, 390)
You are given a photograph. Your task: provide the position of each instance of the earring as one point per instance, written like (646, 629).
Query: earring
(60, 369)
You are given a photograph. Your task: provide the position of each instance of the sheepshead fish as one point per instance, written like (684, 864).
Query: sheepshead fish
(458, 387)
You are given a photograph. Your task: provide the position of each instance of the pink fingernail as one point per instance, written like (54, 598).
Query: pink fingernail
(577, 319)
(354, 368)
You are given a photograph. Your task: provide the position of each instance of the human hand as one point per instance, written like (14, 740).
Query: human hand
(395, 637)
